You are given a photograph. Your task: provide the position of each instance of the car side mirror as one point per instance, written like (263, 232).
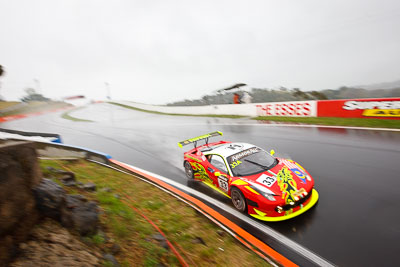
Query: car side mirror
(272, 152)
(217, 174)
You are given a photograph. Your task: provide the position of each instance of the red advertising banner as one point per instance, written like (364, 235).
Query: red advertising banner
(378, 108)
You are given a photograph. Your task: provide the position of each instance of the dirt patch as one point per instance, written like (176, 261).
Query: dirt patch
(52, 245)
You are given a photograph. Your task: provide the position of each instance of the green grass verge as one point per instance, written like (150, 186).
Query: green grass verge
(181, 224)
(176, 114)
(355, 122)
(7, 104)
(66, 116)
(34, 106)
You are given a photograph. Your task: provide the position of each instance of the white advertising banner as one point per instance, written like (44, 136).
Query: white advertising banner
(295, 109)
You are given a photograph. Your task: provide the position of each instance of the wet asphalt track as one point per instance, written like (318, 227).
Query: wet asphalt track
(356, 172)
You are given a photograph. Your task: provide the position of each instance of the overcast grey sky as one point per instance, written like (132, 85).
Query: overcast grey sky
(164, 51)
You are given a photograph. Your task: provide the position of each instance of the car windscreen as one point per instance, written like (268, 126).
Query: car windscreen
(251, 161)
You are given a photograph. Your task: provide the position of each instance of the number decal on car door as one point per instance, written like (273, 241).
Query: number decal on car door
(223, 183)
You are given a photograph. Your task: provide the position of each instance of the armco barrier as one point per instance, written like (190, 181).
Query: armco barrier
(55, 138)
(379, 108)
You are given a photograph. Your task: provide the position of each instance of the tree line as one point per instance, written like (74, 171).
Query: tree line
(261, 95)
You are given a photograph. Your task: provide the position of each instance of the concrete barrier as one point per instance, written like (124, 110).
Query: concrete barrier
(378, 108)
(291, 108)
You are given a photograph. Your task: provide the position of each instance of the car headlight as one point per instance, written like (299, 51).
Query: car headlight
(268, 194)
(270, 197)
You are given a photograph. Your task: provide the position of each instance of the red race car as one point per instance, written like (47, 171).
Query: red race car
(266, 187)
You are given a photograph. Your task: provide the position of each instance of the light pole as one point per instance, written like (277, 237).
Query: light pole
(108, 90)
(38, 89)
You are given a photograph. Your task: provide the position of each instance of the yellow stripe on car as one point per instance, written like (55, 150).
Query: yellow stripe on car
(251, 190)
(193, 158)
(239, 182)
(260, 213)
(216, 189)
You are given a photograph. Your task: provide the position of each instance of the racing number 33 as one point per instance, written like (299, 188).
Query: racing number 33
(266, 180)
(223, 183)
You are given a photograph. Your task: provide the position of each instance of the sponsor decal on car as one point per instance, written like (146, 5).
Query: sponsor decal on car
(299, 193)
(296, 169)
(287, 184)
(245, 153)
(235, 163)
(193, 158)
(199, 172)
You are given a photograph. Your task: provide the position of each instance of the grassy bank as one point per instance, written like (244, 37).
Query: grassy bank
(66, 115)
(199, 242)
(30, 107)
(7, 104)
(176, 114)
(355, 122)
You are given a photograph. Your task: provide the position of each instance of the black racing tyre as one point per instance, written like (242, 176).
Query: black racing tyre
(188, 170)
(238, 199)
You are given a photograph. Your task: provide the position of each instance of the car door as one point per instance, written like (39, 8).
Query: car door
(218, 172)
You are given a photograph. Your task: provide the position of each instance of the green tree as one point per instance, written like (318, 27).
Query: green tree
(300, 94)
(32, 95)
(318, 95)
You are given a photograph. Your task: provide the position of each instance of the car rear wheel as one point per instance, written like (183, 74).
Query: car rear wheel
(189, 170)
(238, 199)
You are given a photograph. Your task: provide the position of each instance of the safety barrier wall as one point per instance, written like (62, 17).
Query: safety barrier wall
(379, 108)
(293, 108)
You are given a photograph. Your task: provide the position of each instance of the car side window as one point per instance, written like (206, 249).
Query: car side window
(218, 163)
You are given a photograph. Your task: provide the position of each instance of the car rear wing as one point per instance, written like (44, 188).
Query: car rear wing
(198, 138)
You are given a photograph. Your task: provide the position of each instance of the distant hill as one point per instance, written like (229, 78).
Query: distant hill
(386, 85)
(349, 92)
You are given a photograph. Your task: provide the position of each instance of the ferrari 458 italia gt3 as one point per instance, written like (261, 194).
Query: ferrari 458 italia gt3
(266, 187)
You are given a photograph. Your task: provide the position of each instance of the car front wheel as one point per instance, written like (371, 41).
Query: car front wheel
(238, 199)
